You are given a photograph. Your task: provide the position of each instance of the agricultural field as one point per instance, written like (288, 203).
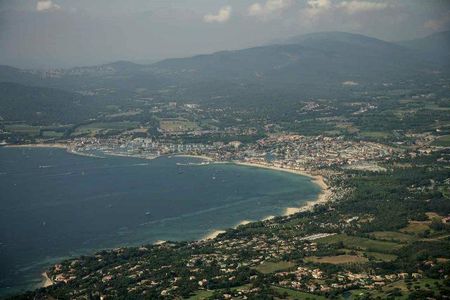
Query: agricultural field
(442, 141)
(380, 256)
(403, 288)
(48, 132)
(23, 129)
(270, 267)
(392, 236)
(202, 294)
(52, 134)
(95, 128)
(337, 259)
(177, 125)
(359, 243)
(375, 134)
(416, 227)
(293, 294)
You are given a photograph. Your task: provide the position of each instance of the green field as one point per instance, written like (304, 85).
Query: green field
(416, 227)
(269, 267)
(358, 243)
(200, 295)
(52, 134)
(380, 256)
(293, 294)
(375, 134)
(177, 125)
(392, 236)
(102, 127)
(337, 259)
(442, 141)
(24, 129)
(423, 284)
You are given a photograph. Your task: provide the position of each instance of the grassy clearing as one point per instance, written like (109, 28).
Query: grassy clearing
(381, 256)
(423, 284)
(392, 236)
(270, 267)
(415, 227)
(442, 141)
(52, 134)
(337, 260)
(375, 134)
(358, 243)
(98, 127)
(200, 295)
(436, 107)
(24, 129)
(177, 125)
(293, 294)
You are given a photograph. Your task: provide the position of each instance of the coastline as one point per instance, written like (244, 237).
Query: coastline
(39, 145)
(195, 156)
(46, 281)
(323, 197)
(319, 180)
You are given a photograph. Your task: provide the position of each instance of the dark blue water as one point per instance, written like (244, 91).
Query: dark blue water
(55, 205)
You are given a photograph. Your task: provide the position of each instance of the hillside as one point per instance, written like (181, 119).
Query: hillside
(320, 65)
(36, 105)
(312, 59)
(333, 57)
(435, 47)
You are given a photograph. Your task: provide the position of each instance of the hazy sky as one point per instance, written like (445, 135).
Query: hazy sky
(64, 33)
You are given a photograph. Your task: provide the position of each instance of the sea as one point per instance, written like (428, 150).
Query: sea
(56, 205)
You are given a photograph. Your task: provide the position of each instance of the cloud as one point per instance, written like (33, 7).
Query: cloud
(268, 8)
(46, 5)
(315, 8)
(318, 8)
(353, 7)
(438, 24)
(222, 16)
(319, 4)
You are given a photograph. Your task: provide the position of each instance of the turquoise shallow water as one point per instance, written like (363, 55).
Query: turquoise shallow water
(54, 204)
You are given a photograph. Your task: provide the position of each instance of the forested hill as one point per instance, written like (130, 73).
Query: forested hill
(323, 65)
(327, 58)
(435, 47)
(38, 105)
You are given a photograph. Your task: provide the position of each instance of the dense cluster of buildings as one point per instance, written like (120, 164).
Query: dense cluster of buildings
(287, 151)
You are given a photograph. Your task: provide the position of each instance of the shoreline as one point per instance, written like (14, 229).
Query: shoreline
(323, 196)
(209, 159)
(319, 180)
(46, 280)
(38, 145)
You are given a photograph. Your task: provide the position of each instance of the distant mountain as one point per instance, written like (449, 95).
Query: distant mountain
(334, 57)
(435, 47)
(312, 65)
(43, 106)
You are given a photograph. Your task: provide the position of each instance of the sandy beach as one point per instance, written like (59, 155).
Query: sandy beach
(159, 242)
(46, 281)
(55, 145)
(323, 197)
(317, 179)
(212, 235)
(244, 222)
(195, 156)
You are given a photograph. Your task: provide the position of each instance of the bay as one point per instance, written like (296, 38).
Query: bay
(55, 205)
